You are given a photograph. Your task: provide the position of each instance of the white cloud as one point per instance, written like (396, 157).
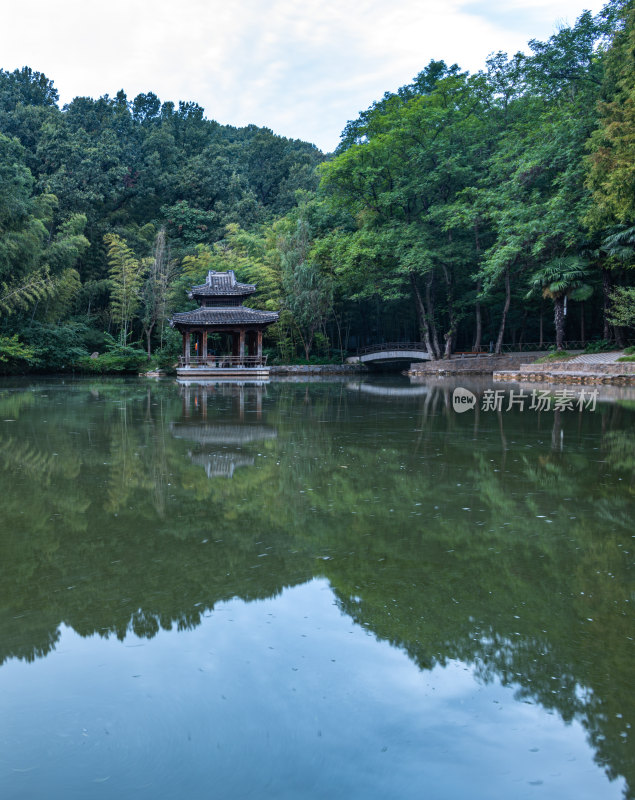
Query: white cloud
(302, 69)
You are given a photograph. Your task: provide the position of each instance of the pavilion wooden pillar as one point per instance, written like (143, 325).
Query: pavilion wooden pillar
(186, 347)
(204, 345)
(241, 345)
(259, 347)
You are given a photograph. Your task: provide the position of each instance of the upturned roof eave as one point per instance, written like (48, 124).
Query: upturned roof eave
(238, 290)
(221, 318)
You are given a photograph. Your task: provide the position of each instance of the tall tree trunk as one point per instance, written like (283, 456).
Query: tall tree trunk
(478, 318)
(508, 299)
(449, 337)
(558, 318)
(339, 335)
(148, 337)
(479, 285)
(450, 334)
(422, 317)
(582, 335)
(523, 326)
(606, 301)
(619, 336)
(430, 309)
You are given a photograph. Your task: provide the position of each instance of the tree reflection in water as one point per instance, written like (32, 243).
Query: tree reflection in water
(499, 539)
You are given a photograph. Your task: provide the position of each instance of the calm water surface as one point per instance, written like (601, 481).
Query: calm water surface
(313, 590)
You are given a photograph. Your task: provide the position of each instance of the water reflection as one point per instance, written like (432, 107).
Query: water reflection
(500, 540)
(221, 465)
(196, 396)
(244, 400)
(380, 390)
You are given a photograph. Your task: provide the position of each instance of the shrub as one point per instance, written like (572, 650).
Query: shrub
(117, 358)
(57, 347)
(15, 355)
(555, 355)
(599, 346)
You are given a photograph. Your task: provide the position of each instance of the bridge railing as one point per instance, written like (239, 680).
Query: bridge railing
(379, 348)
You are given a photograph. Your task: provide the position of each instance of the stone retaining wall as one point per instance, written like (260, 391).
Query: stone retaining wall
(610, 368)
(317, 369)
(563, 372)
(483, 365)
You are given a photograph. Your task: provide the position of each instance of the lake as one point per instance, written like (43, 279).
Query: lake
(355, 589)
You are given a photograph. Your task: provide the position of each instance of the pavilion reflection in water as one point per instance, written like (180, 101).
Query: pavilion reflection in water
(220, 460)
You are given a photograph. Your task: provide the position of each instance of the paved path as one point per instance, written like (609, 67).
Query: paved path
(597, 358)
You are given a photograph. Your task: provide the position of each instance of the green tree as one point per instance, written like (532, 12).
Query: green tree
(126, 275)
(622, 311)
(22, 232)
(534, 194)
(14, 353)
(308, 292)
(412, 156)
(558, 280)
(611, 163)
(155, 292)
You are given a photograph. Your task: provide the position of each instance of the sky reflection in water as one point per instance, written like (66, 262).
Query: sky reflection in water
(378, 599)
(277, 698)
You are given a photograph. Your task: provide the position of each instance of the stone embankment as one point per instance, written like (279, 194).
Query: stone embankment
(571, 372)
(317, 369)
(483, 364)
(592, 368)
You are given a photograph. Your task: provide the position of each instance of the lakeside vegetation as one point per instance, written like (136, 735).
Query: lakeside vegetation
(460, 210)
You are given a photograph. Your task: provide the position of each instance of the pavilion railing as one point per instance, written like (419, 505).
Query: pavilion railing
(222, 362)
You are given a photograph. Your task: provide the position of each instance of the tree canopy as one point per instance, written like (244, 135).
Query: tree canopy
(443, 202)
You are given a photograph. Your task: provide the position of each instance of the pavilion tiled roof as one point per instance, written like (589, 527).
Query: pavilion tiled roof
(229, 315)
(222, 284)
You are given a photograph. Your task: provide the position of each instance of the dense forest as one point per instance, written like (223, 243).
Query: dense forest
(463, 210)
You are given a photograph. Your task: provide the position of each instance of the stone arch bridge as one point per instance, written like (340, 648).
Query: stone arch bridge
(390, 353)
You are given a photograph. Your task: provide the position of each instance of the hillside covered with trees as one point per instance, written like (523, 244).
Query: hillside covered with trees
(460, 210)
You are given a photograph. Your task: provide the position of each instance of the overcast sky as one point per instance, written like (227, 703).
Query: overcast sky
(300, 67)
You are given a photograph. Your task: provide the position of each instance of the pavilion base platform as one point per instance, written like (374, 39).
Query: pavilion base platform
(238, 373)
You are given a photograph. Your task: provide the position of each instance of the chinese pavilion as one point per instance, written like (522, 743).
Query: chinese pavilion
(221, 310)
